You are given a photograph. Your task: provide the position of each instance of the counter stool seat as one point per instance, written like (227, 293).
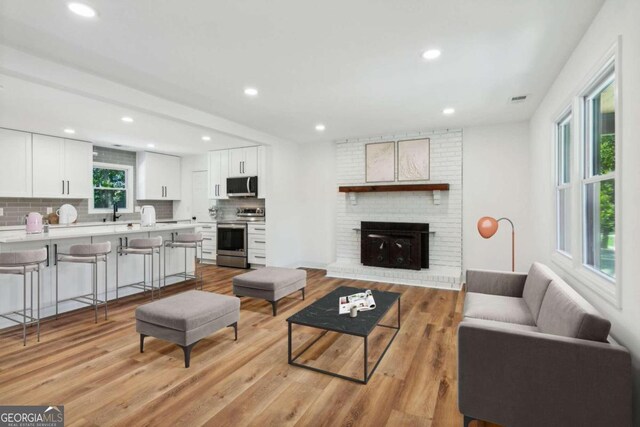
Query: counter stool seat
(23, 263)
(147, 247)
(186, 241)
(92, 254)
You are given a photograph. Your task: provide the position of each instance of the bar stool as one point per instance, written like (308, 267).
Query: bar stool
(186, 241)
(87, 254)
(21, 263)
(145, 247)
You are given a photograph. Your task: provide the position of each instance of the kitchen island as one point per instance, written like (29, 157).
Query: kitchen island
(75, 279)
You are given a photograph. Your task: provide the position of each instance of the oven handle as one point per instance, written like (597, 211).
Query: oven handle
(232, 226)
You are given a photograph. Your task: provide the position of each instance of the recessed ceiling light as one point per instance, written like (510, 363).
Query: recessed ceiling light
(127, 119)
(320, 127)
(69, 131)
(206, 138)
(82, 9)
(448, 111)
(151, 145)
(251, 91)
(431, 54)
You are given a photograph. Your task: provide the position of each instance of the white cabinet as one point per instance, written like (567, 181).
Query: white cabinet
(243, 162)
(78, 169)
(15, 164)
(262, 172)
(158, 177)
(237, 162)
(257, 254)
(209, 241)
(62, 168)
(218, 174)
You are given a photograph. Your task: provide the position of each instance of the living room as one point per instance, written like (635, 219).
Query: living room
(472, 165)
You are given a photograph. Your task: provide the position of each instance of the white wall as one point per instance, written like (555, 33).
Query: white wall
(318, 163)
(617, 17)
(284, 205)
(496, 183)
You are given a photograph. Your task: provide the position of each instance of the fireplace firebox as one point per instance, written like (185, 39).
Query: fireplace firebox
(394, 245)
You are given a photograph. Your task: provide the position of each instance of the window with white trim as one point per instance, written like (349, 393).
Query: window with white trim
(111, 185)
(599, 176)
(563, 184)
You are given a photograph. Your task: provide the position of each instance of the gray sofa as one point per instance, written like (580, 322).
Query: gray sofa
(533, 352)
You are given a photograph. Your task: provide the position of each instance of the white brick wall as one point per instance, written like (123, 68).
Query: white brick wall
(444, 219)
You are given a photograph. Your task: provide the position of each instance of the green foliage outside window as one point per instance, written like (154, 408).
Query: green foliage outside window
(109, 188)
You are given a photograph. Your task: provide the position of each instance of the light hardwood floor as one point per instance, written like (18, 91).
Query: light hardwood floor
(98, 374)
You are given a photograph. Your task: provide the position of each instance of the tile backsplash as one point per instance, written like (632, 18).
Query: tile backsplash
(16, 208)
(227, 208)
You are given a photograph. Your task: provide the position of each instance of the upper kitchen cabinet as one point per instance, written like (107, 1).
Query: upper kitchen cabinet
(158, 177)
(15, 164)
(243, 162)
(218, 174)
(61, 168)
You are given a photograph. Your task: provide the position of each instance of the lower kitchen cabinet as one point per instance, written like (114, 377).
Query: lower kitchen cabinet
(257, 242)
(209, 241)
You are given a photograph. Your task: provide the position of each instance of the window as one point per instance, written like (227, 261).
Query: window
(563, 184)
(598, 183)
(111, 185)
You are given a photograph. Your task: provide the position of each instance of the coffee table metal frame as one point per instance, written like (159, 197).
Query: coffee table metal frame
(367, 375)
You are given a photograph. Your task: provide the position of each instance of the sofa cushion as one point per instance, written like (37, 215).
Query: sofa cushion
(564, 312)
(270, 278)
(188, 310)
(536, 286)
(498, 308)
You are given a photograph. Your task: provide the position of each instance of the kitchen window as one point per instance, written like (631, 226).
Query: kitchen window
(111, 186)
(563, 184)
(599, 176)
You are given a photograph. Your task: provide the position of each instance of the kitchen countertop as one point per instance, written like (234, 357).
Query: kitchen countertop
(100, 229)
(89, 224)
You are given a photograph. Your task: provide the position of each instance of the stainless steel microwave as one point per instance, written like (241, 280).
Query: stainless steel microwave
(242, 187)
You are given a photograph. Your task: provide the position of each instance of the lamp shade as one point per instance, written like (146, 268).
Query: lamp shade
(487, 226)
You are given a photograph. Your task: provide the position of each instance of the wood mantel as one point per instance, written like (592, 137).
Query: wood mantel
(386, 188)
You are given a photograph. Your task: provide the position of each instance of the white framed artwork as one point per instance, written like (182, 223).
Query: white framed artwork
(380, 162)
(414, 160)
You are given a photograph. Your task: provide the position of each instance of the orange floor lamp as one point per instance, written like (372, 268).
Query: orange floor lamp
(487, 227)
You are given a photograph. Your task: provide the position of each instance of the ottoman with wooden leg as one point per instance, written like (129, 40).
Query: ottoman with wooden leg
(270, 283)
(186, 318)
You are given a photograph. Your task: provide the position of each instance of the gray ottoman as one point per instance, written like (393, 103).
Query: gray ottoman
(186, 318)
(270, 283)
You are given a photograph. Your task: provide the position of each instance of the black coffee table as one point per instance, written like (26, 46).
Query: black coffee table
(323, 314)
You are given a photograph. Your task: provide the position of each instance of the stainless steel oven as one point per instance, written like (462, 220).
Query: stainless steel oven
(232, 244)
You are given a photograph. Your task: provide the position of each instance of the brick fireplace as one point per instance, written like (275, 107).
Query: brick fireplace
(443, 214)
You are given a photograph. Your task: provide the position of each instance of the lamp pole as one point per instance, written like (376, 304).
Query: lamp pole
(513, 243)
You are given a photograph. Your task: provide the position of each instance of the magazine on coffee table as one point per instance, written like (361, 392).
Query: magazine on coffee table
(363, 301)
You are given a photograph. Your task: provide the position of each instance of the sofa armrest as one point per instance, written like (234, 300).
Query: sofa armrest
(496, 282)
(516, 377)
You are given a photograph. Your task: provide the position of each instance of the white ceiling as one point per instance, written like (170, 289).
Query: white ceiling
(39, 108)
(353, 65)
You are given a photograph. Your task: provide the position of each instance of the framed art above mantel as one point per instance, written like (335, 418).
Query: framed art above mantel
(414, 160)
(380, 162)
